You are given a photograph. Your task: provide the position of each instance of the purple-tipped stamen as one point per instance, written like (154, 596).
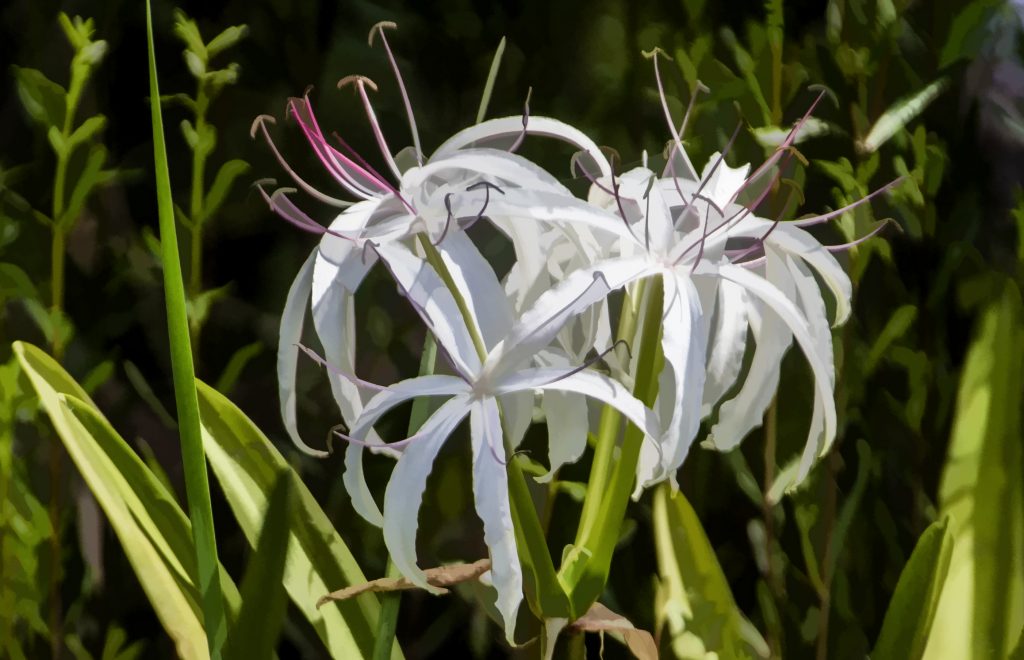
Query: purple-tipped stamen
(670, 165)
(448, 221)
(259, 124)
(594, 360)
(825, 217)
(352, 378)
(664, 106)
(379, 29)
(286, 209)
(361, 82)
(759, 243)
(842, 247)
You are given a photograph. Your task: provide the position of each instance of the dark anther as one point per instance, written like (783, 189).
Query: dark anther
(448, 221)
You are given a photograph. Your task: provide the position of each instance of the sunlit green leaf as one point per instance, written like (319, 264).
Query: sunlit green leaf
(913, 604)
(254, 634)
(152, 529)
(226, 39)
(245, 464)
(900, 114)
(981, 610)
(696, 605)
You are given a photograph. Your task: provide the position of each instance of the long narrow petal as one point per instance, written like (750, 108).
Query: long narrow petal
(404, 493)
(513, 126)
(376, 407)
(490, 493)
(589, 383)
(538, 325)
(566, 416)
(435, 304)
(559, 209)
(745, 411)
(809, 296)
(492, 163)
(682, 384)
(292, 319)
(475, 279)
(787, 311)
(338, 271)
(793, 240)
(728, 343)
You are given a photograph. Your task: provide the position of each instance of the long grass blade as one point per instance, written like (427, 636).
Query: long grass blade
(197, 486)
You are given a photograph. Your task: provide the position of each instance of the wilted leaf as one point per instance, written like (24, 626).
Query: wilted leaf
(600, 619)
(908, 619)
(441, 577)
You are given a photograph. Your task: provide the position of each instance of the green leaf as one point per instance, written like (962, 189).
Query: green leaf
(188, 32)
(91, 176)
(197, 486)
(15, 283)
(969, 30)
(152, 529)
(912, 608)
(245, 464)
(218, 192)
(57, 141)
(86, 131)
(695, 601)
(896, 327)
(900, 114)
(226, 39)
(189, 133)
(264, 605)
(981, 609)
(492, 75)
(237, 363)
(44, 100)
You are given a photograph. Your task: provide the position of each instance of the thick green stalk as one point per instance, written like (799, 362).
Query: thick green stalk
(585, 573)
(197, 486)
(390, 601)
(609, 427)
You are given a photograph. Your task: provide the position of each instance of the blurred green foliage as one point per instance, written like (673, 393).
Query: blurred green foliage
(930, 92)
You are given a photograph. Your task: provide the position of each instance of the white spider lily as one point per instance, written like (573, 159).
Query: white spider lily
(420, 201)
(474, 392)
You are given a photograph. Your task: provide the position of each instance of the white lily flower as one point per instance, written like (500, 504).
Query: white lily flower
(474, 392)
(454, 184)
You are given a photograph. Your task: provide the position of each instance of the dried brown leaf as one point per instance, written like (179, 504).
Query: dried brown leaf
(601, 619)
(441, 577)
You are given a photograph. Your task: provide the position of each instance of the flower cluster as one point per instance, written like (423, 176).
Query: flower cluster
(725, 276)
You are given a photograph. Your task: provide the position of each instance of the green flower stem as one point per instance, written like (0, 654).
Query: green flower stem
(390, 601)
(585, 571)
(197, 486)
(608, 429)
(542, 588)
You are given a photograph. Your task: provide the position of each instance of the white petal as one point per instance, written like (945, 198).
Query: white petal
(292, 318)
(566, 414)
(745, 411)
(809, 296)
(354, 478)
(728, 343)
(557, 208)
(589, 383)
(538, 325)
(435, 304)
(798, 325)
(722, 185)
(517, 411)
(795, 241)
(404, 493)
(682, 385)
(479, 286)
(490, 493)
(335, 281)
(508, 168)
(513, 126)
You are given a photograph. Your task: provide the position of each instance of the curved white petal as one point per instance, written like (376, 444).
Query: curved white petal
(435, 304)
(566, 416)
(809, 296)
(538, 325)
(478, 285)
(290, 335)
(798, 325)
(557, 208)
(795, 241)
(680, 395)
(404, 493)
(745, 411)
(490, 494)
(335, 281)
(517, 412)
(722, 185)
(354, 478)
(728, 343)
(589, 383)
(512, 126)
(509, 168)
